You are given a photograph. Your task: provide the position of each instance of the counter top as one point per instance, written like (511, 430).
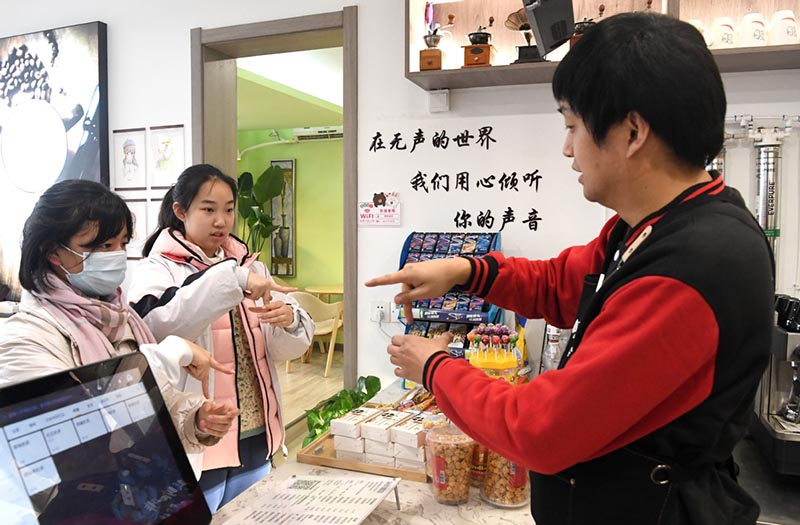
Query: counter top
(417, 504)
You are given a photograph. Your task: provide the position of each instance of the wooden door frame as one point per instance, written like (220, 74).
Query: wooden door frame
(339, 28)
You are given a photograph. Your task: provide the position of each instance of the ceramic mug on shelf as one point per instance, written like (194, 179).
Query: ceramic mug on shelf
(753, 31)
(723, 32)
(784, 28)
(708, 37)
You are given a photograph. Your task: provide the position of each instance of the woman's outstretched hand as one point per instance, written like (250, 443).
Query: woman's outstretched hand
(202, 364)
(261, 288)
(216, 418)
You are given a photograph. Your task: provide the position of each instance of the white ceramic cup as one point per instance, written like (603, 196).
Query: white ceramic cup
(723, 33)
(784, 28)
(700, 27)
(753, 31)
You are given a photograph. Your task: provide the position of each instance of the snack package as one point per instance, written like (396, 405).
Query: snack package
(484, 243)
(419, 328)
(476, 303)
(459, 331)
(436, 329)
(425, 256)
(421, 303)
(463, 301)
(450, 301)
(440, 256)
(456, 242)
(429, 242)
(443, 244)
(416, 241)
(436, 303)
(412, 257)
(470, 243)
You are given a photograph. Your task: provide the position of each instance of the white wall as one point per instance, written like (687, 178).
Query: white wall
(149, 82)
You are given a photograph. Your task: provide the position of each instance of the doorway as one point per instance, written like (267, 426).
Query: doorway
(214, 116)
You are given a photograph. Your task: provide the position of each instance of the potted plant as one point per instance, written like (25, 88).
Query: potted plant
(254, 203)
(481, 36)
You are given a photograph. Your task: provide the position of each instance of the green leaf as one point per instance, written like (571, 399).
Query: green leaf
(269, 185)
(373, 386)
(245, 182)
(246, 204)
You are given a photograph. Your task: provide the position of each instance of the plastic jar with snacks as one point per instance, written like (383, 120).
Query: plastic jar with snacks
(506, 483)
(449, 455)
(431, 422)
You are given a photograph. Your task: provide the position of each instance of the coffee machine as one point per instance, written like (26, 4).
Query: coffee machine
(777, 429)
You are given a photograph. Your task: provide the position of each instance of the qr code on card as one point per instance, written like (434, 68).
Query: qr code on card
(304, 484)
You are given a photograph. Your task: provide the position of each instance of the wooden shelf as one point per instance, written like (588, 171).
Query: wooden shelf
(728, 60)
(471, 12)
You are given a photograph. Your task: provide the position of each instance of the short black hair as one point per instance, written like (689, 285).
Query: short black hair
(60, 213)
(655, 65)
(183, 192)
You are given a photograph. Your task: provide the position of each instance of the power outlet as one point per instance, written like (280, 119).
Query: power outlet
(379, 311)
(394, 312)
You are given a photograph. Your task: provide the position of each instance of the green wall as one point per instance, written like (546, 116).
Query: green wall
(319, 187)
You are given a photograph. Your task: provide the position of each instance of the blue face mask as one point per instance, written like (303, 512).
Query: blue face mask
(102, 274)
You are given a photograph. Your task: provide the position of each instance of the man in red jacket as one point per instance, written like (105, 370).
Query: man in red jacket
(670, 306)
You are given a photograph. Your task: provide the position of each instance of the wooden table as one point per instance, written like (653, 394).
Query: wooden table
(325, 291)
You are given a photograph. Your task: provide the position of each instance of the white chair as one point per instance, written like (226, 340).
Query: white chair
(327, 319)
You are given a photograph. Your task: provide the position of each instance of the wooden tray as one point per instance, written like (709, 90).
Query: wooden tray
(321, 452)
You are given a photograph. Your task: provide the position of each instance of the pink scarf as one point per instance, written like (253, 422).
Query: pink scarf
(93, 324)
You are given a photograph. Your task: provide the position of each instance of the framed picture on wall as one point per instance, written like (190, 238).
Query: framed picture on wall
(153, 208)
(53, 124)
(166, 155)
(282, 212)
(129, 166)
(138, 209)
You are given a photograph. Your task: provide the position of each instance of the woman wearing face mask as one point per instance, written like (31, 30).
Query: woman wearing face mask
(72, 312)
(201, 283)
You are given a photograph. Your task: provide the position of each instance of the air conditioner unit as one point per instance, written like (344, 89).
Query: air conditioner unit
(318, 133)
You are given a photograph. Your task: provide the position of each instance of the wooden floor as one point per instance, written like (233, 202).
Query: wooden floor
(305, 386)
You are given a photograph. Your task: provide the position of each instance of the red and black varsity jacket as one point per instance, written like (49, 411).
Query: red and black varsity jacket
(666, 353)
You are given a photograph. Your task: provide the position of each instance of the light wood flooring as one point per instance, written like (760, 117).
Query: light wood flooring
(303, 388)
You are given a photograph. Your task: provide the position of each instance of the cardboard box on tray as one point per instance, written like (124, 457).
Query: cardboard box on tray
(405, 452)
(378, 428)
(379, 447)
(349, 425)
(345, 443)
(410, 431)
(378, 459)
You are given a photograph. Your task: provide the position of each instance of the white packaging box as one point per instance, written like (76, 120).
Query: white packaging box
(410, 432)
(349, 424)
(350, 456)
(379, 447)
(377, 459)
(404, 452)
(409, 464)
(348, 444)
(379, 427)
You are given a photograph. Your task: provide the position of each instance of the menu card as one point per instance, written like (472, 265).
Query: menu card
(318, 499)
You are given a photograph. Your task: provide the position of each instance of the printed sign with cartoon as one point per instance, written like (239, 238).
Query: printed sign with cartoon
(383, 210)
